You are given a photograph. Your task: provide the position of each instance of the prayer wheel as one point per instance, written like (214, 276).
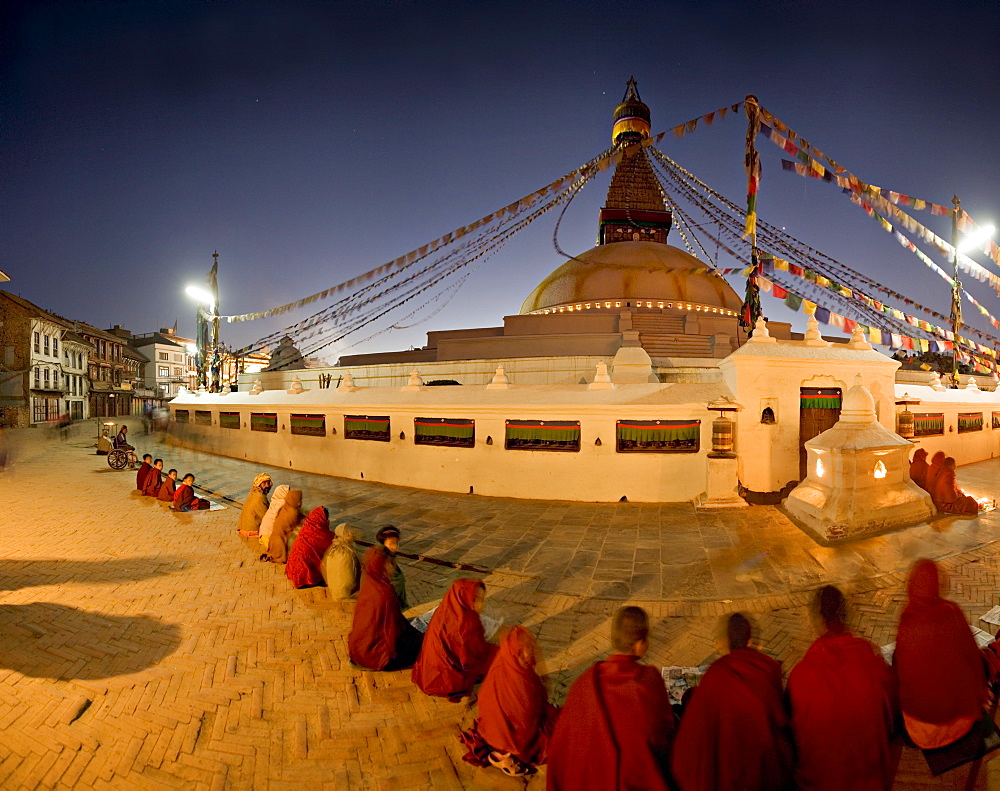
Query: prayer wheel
(722, 435)
(904, 424)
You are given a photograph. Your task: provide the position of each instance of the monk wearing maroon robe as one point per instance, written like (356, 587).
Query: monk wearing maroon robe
(143, 471)
(942, 678)
(919, 468)
(455, 655)
(843, 702)
(381, 638)
(734, 732)
(166, 493)
(615, 731)
(515, 716)
(184, 499)
(154, 479)
(934, 470)
(947, 496)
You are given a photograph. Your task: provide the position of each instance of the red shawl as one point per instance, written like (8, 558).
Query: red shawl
(515, 715)
(455, 654)
(940, 668)
(153, 480)
(167, 490)
(380, 636)
(734, 732)
(305, 558)
(843, 704)
(948, 497)
(140, 476)
(934, 470)
(614, 732)
(919, 468)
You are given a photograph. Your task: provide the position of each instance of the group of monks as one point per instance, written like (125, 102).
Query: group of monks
(939, 481)
(150, 482)
(739, 729)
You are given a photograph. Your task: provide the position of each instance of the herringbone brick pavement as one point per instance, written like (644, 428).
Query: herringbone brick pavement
(150, 650)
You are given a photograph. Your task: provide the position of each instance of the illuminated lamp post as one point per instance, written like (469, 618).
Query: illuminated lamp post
(904, 419)
(206, 307)
(958, 247)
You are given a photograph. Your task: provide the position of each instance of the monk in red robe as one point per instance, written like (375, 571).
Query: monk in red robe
(919, 468)
(455, 655)
(143, 471)
(734, 732)
(166, 493)
(615, 731)
(934, 470)
(381, 638)
(184, 499)
(942, 678)
(843, 702)
(154, 479)
(947, 496)
(516, 719)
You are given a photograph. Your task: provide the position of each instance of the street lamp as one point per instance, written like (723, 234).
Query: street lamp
(206, 306)
(970, 241)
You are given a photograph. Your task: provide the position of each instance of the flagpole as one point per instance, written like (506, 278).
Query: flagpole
(956, 292)
(751, 309)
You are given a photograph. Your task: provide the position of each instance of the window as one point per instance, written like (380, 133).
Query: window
(178, 358)
(658, 436)
(181, 415)
(928, 424)
(310, 425)
(45, 343)
(45, 376)
(38, 344)
(367, 427)
(38, 378)
(162, 371)
(203, 417)
(452, 432)
(970, 421)
(177, 371)
(264, 421)
(229, 420)
(55, 346)
(562, 435)
(996, 420)
(163, 356)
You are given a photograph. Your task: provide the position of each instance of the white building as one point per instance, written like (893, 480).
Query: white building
(76, 385)
(169, 362)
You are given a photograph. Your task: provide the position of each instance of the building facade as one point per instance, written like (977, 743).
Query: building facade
(168, 362)
(76, 384)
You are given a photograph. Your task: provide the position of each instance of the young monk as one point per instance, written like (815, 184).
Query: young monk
(267, 523)
(154, 479)
(288, 518)
(934, 470)
(516, 719)
(184, 499)
(734, 733)
(381, 638)
(947, 496)
(843, 702)
(617, 726)
(341, 566)
(942, 681)
(167, 489)
(143, 471)
(388, 537)
(255, 506)
(305, 559)
(455, 655)
(919, 468)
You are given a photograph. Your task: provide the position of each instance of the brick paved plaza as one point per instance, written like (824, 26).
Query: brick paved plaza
(147, 649)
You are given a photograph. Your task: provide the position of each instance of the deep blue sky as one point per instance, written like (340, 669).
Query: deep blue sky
(309, 142)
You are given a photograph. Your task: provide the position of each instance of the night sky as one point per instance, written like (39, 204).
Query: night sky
(311, 142)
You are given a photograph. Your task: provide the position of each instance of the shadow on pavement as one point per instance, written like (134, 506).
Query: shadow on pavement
(46, 640)
(17, 574)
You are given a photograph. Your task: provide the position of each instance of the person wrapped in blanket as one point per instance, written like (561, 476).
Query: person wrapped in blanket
(255, 506)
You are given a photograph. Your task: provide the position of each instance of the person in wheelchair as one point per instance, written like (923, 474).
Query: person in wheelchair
(121, 440)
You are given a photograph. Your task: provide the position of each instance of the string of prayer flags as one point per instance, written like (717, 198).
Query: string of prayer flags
(686, 128)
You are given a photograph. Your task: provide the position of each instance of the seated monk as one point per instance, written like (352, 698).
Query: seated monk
(184, 499)
(933, 471)
(305, 558)
(734, 733)
(143, 471)
(843, 700)
(388, 537)
(516, 719)
(455, 655)
(942, 680)
(617, 726)
(255, 506)
(341, 567)
(154, 479)
(947, 496)
(919, 468)
(288, 518)
(380, 638)
(166, 493)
